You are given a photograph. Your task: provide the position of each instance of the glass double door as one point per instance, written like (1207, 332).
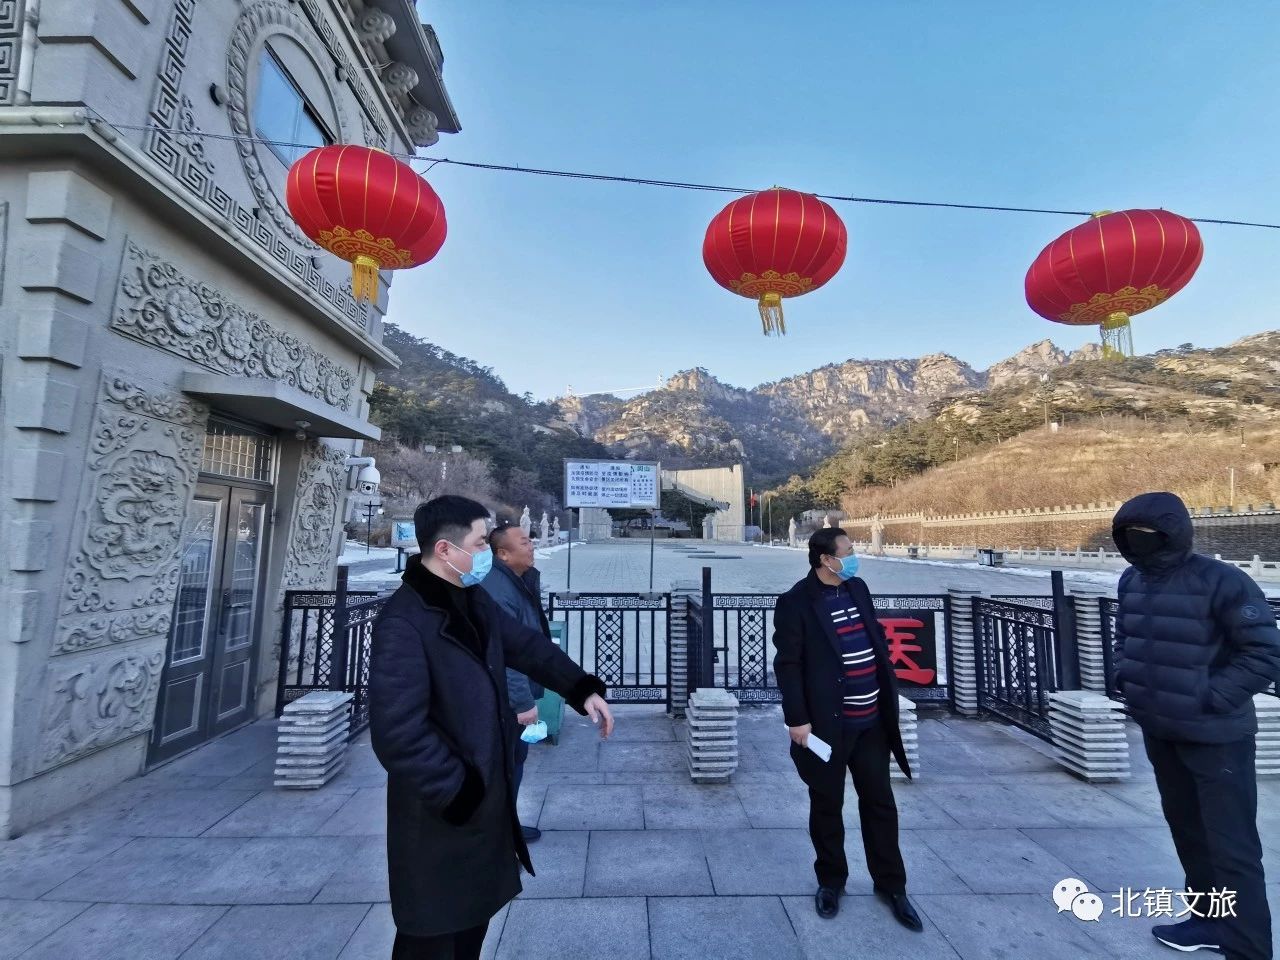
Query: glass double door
(209, 674)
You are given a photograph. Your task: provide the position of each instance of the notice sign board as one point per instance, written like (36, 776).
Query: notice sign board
(403, 535)
(914, 627)
(616, 484)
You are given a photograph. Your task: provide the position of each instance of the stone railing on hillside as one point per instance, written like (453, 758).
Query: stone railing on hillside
(1091, 511)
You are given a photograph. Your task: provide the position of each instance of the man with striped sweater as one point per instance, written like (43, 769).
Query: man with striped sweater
(838, 685)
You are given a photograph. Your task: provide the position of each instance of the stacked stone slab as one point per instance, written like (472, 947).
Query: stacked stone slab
(1088, 735)
(312, 740)
(963, 659)
(910, 739)
(1268, 708)
(1093, 674)
(713, 735)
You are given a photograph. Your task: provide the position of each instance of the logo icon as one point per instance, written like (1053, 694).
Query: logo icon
(1249, 612)
(1073, 896)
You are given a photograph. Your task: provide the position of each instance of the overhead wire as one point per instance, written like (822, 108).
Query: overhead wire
(433, 162)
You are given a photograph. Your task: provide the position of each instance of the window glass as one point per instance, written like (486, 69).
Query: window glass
(282, 115)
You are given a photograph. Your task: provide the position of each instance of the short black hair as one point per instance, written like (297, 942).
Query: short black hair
(445, 518)
(499, 533)
(823, 544)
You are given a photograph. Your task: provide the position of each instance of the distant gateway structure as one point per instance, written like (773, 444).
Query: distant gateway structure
(721, 487)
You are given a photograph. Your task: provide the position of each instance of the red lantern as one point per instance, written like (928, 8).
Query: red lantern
(1116, 265)
(365, 206)
(774, 244)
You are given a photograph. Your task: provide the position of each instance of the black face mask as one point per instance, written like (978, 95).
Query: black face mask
(1141, 543)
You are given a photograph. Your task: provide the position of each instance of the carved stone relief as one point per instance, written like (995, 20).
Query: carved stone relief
(321, 490)
(159, 305)
(10, 48)
(169, 144)
(142, 469)
(95, 703)
(266, 18)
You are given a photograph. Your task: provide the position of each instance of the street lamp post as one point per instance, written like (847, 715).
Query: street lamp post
(371, 510)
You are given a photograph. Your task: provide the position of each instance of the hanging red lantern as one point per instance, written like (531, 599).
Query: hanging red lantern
(774, 244)
(365, 206)
(1112, 267)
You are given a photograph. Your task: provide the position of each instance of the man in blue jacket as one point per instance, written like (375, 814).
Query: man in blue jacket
(1195, 640)
(514, 582)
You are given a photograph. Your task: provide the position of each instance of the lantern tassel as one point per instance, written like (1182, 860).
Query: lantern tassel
(1117, 336)
(771, 315)
(364, 278)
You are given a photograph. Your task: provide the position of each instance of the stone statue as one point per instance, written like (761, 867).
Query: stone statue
(826, 522)
(791, 532)
(544, 527)
(877, 536)
(525, 522)
(555, 530)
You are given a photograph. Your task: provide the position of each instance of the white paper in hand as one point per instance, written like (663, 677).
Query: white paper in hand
(820, 748)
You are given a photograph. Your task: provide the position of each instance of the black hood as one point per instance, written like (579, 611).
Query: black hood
(1165, 513)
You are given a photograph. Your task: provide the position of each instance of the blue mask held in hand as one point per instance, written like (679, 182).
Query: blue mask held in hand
(534, 732)
(481, 564)
(848, 567)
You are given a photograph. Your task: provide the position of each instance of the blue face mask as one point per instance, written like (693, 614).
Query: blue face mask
(481, 564)
(848, 567)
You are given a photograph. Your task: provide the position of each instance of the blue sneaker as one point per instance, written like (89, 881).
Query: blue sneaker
(1194, 933)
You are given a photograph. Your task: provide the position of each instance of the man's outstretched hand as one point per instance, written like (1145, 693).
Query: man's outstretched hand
(597, 710)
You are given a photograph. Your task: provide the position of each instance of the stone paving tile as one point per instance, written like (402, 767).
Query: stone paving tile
(692, 806)
(24, 923)
(583, 929)
(744, 928)
(782, 805)
(760, 862)
(528, 804)
(539, 778)
(361, 877)
(299, 932)
(593, 808)
(647, 777)
(977, 806)
(927, 872)
(643, 756)
(113, 931)
(560, 863)
(997, 861)
(1077, 804)
(1113, 858)
(643, 729)
(567, 756)
(374, 937)
(35, 863)
(211, 870)
(282, 813)
(1004, 927)
(362, 814)
(867, 922)
(647, 863)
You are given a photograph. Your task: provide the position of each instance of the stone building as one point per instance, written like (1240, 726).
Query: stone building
(183, 373)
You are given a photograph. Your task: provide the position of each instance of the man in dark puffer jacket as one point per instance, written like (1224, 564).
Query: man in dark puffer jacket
(1195, 640)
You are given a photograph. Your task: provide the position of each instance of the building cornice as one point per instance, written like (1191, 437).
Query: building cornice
(30, 132)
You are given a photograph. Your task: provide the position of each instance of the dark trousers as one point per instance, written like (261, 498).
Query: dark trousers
(463, 945)
(865, 754)
(1209, 792)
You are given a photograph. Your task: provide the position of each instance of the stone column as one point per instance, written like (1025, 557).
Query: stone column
(678, 657)
(1089, 636)
(1268, 708)
(964, 681)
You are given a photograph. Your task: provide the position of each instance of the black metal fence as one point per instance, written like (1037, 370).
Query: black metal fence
(325, 643)
(623, 638)
(1016, 661)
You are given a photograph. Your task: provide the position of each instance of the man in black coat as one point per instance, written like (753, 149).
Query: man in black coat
(441, 725)
(838, 685)
(1195, 640)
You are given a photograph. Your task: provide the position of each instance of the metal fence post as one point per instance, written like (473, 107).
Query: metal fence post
(706, 666)
(338, 654)
(286, 642)
(1067, 648)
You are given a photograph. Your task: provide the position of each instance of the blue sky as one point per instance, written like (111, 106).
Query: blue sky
(1082, 106)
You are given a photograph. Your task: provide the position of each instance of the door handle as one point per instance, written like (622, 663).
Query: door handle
(224, 618)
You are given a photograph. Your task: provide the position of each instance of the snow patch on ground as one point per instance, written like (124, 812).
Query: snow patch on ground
(355, 552)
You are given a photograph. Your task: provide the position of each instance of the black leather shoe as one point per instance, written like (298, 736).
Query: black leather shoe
(904, 911)
(828, 902)
(530, 834)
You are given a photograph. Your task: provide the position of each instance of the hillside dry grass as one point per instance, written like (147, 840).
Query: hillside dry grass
(1098, 461)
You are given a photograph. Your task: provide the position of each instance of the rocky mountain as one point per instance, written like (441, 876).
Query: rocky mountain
(789, 425)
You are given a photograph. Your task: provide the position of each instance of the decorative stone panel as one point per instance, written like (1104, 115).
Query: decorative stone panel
(309, 560)
(143, 464)
(159, 305)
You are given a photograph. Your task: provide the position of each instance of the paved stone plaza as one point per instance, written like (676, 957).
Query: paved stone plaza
(204, 859)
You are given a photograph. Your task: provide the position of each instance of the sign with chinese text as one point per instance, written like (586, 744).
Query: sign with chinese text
(403, 535)
(914, 627)
(616, 484)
